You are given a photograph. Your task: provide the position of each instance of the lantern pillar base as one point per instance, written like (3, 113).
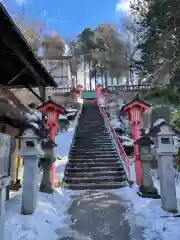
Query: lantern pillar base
(138, 168)
(52, 137)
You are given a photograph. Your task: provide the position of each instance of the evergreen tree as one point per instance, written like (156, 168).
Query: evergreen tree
(158, 24)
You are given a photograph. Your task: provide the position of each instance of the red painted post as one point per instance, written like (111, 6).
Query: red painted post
(53, 129)
(98, 92)
(138, 169)
(52, 111)
(135, 110)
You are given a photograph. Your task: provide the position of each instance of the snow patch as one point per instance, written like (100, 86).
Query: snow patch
(64, 141)
(43, 223)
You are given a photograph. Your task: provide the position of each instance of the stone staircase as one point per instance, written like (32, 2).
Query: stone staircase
(93, 161)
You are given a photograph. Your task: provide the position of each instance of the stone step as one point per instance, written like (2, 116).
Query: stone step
(91, 165)
(91, 129)
(95, 141)
(94, 131)
(109, 185)
(91, 134)
(95, 128)
(94, 169)
(93, 144)
(95, 179)
(97, 160)
(94, 174)
(80, 149)
(93, 156)
(85, 126)
(95, 153)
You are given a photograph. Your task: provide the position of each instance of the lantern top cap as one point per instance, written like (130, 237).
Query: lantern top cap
(75, 90)
(104, 89)
(136, 102)
(79, 86)
(51, 104)
(37, 132)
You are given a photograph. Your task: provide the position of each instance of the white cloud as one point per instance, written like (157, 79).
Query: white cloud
(45, 12)
(20, 2)
(123, 5)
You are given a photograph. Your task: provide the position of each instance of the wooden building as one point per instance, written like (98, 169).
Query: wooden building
(19, 68)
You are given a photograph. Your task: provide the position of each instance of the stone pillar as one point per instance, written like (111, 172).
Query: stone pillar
(165, 150)
(5, 145)
(30, 184)
(3, 191)
(167, 183)
(31, 152)
(147, 188)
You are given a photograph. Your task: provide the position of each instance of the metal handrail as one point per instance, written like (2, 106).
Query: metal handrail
(117, 142)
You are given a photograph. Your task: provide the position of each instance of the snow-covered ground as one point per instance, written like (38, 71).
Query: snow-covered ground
(147, 213)
(64, 140)
(51, 213)
(43, 224)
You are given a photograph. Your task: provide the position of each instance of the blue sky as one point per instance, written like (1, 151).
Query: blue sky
(69, 17)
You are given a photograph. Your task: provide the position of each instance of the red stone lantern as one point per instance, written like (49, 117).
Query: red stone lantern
(98, 92)
(75, 93)
(135, 110)
(80, 89)
(52, 111)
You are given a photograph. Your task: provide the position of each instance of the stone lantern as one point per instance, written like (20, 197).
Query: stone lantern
(80, 89)
(75, 93)
(30, 152)
(52, 111)
(135, 110)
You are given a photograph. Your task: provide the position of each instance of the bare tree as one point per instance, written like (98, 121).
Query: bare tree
(32, 28)
(111, 54)
(53, 49)
(130, 35)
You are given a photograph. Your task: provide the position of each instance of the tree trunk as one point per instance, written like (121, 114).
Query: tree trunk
(112, 81)
(105, 76)
(131, 77)
(84, 74)
(76, 80)
(127, 77)
(95, 80)
(46, 183)
(90, 83)
(117, 80)
(101, 72)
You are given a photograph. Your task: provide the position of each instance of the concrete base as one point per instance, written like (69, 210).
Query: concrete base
(170, 210)
(148, 193)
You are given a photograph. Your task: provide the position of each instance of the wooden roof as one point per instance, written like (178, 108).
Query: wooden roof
(19, 66)
(7, 94)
